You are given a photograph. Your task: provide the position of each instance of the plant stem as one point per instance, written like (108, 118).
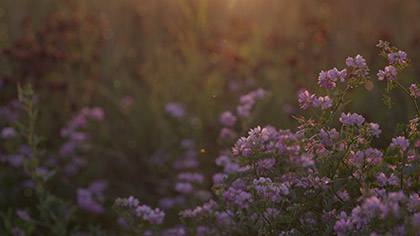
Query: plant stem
(409, 94)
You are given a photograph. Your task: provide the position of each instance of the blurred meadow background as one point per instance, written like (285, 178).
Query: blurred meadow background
(133, 57)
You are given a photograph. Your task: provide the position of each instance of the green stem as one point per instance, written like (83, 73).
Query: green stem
(409, 94)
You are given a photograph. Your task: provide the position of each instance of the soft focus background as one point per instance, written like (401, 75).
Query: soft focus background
(133, 57)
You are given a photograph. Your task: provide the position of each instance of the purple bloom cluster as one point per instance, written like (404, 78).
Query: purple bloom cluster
(23, 215)
(306, 100)
(227, 119)
(183, 187)
(88, 198)
(373, 130)
(205, 209)
(175, 110)
(400, 142)
(329, 78)
(8, 133)
(229, 167)
(328, 137)
(153, 216)
(247, 102)
(383, 180)
(269, 190)
(237, 197)
(191, 177)
(351, 119)
(373, 208)
(188, 159)
(77, 139)
(86, 201)
(414, 90)
(399, 57)
(312, 181)
(389, 72)
(358, 62)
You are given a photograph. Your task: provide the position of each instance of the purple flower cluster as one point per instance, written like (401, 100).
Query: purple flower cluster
(175, 110)
(153, 216)
(191, 177)
(329, 78)
(389, 72)
(269, 190)
(238, 198)
(229, 166)
(183, 187)
(383, 180)
(399, 57)
(247, 102)
(358, 62)
(87, 199)
(327, 137)
(414, 90)
(227, 119)
(8, 133)
(312, 180)
(351, 119)
(188, 159)
(306, 100)
(373, 129)
(205, 209)
(400, 142)
(77, 139)
(373, 208)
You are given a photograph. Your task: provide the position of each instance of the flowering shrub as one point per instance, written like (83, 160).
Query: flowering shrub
(327, 177)
(324, 178)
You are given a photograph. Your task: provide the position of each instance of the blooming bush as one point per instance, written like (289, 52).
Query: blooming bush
(324, 178)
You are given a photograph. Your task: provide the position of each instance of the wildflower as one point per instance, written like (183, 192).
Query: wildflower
(329, 78)
(237, 197)
(413, 202)
(191, 177)
(356, 62)
(414, 91)
(382, 180)
(96, 113)
(305, 99)
(324, 102)
(270, 190)
(389, 72)
(127, 202)
(183, 187)
(227, 119)
(351, 119)
(227, 133)
(397, 57)
(8, 133)
(373, 155)
(155, 216)
(373, 129)
(86, 201)
(400, 142)
(247, 102)
(23, 215)
(175, 110)
(416, 218)
(383, 45)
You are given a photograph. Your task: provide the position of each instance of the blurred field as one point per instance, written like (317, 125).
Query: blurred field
(203, 54)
